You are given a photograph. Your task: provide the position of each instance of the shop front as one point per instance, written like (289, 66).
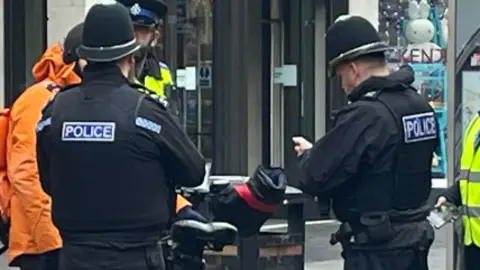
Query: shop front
(259, 77)
(261, 73)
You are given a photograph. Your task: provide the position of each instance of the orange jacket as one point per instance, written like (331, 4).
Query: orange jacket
(181, 203)
(32, 230)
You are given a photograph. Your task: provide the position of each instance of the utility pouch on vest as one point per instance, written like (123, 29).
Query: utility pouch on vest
(378, 227)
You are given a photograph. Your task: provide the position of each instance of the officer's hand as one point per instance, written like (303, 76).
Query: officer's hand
(440, 201)
(301, 144)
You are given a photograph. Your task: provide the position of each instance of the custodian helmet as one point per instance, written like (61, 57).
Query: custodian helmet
(146, 13)
(107, 33)
(350, 37)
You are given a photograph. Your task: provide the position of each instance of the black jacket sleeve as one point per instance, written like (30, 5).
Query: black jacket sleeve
(452, 194)
(184, 165)
(44, 145)
(358, 136)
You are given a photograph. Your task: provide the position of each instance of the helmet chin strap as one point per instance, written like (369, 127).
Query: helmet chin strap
(139, 66)
(77, 69)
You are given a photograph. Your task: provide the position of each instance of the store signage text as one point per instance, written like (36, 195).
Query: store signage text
(421, 56)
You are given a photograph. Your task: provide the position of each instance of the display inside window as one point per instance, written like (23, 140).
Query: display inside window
(418, 32)
(194, 46)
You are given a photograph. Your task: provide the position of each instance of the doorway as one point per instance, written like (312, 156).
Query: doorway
(296, 102)
(25, 39)
(194, 32)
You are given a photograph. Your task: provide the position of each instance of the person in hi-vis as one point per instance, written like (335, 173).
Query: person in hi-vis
(465, 193)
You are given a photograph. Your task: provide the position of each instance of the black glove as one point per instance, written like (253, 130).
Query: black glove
(268, 184)
(249, 205)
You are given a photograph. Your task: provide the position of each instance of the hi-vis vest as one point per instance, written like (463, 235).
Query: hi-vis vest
(159, 86)
(470, 182)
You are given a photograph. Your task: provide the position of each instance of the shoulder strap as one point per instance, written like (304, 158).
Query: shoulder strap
(141, 88)
(66, 88)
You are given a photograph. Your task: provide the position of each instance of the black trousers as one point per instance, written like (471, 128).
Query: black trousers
(398, 259)
(45, 261)
(472, 258)
(104, 257)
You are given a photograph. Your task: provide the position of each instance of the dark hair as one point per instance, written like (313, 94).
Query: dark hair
(377, 58)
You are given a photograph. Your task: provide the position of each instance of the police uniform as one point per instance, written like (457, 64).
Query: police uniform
(110, 156)
(466, 193)
(155, 74)
(375, 163)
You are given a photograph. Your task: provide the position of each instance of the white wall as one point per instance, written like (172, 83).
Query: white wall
(63, 15)
(2, 57)
(89, 4)
(365, 8)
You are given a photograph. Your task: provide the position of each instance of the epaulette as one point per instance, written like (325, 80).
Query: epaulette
(149, 93)
(161, 100)
(371, 95)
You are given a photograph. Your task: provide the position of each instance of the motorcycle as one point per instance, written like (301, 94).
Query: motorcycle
(232, 205)
(189, 239)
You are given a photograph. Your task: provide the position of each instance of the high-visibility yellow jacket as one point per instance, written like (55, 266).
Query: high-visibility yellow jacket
(469, 182)
(159, 86)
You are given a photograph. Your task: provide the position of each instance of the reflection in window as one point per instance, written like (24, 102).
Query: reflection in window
(195, 32)
(418, 32)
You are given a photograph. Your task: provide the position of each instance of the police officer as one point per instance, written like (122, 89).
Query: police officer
(150, 71)
(375, 163)
(73, 40)
(105, 152)
(466, 193)
(155, 75)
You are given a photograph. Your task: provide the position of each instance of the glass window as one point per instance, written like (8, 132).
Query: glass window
(194, 29)
(418, 30)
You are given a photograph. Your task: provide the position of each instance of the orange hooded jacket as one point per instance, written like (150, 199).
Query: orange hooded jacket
(32, 230)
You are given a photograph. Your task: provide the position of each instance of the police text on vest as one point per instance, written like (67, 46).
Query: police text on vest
(88, 131)
(419, 127)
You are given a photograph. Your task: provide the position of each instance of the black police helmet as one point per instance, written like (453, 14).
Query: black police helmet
(146, 13)
(107, 33)
(72, 42)
(351, 37)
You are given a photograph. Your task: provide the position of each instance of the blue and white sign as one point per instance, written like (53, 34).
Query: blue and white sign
(205, 76)
(419, 127)
(88, 131)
